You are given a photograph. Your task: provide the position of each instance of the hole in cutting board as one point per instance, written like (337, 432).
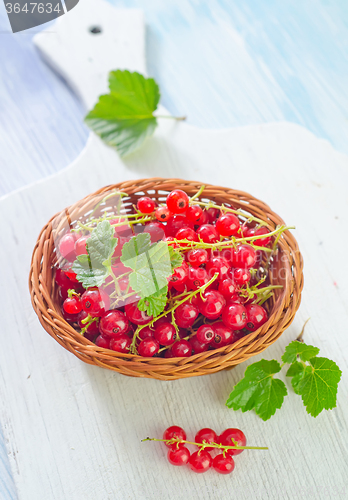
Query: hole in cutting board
(95, 30)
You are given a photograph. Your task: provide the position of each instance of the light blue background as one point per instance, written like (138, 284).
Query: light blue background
(222, 63)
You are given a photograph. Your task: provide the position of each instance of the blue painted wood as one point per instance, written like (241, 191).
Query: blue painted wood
(221, 63)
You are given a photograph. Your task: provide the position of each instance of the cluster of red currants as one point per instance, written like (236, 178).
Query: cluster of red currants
(221, 315)
(207, 441)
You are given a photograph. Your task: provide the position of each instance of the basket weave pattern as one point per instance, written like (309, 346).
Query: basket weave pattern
(286, 269)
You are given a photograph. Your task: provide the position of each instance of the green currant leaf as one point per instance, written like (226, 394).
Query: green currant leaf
(136, 246)
(258, 390)
(175, 258)
(101, 244)
(124, 117)
(317, 384)
(87, 275)
(154, 304)
(296, 348)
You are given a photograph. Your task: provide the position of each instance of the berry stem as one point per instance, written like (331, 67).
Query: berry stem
(199, 192)
(300, 337)
(202, 446)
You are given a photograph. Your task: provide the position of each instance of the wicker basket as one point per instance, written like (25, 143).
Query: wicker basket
(286, 269)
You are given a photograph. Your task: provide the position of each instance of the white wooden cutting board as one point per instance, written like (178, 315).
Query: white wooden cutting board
(73, 431)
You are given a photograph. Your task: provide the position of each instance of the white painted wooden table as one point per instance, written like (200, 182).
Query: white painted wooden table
(73, 431)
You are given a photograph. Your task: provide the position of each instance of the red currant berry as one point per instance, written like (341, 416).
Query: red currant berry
(120, 344)
(113, 323)
(234, 316)
(182, 349)
(95, 302)
(146, 333)
(155, 230)
(197, 257)
(168, 354)
(70, 318)
(237, 436)
(227, 225)
(67, 246)
(194, 213)
(180, 274)
(80, 246)
(205, 334)
(246, 231)
(218, 265)
(162, 214)
(177, 201)
(262, 242)
(70, 274)
(200, 461)
(175, 223)
(213, 214)
(62, 279)
(178, 455)
(227, 288)
(148, 347)
(208, 233)
(223, 464)
(212, 304)
(223, 335)
(103, 342)
(135, 315)
(165, 334)
(244, 256)
(256, 316)
(174, 432)
(93, 328)
(186, 314)
(197, 346)
(186, 234)
(72, 305)
(206, 435)
(197, 277)
(121, 241)
(170, 241)
(204, 219)
(241, 276)
(145, 205)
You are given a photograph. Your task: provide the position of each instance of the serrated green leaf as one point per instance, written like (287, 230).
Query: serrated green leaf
(176, 258)
(136, 246)
(124, 118)
(258, 390)
(317, 384)
(86, 274)
(295, 369)
(101, 244)
(154, 304)
(304, 351)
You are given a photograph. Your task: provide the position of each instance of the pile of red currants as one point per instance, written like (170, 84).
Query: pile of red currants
(222, 257)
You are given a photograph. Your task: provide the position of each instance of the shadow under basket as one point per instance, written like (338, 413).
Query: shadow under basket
(286, 269)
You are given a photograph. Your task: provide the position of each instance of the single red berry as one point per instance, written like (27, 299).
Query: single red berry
(162, 214)
(177, 201)
(204, 219)
(113, 323)
(70, 274)
(186, 314)
(165, 334)
(180, 274)
(175, 223)
(246, 231)
(213, 214)
(146, 332)
(237, 436)
(227, 288)
(197, 277)
(103, 342)
(194, 213)
(70, 318)
(72, 305)
(262, 242)
(241, 276)
(206, 435)
(174, 432)
(223, 464)
(182, 349)
(67, 246)
(93, 328)
(218, 265)
(122, 227)
(121, 343)
(145, 205)
(197, 257)
(186, 234)
(80, 246)
(62, 279)
(227, 225)
(223, 335)
(135, 315)
(244, 256)
(148, 347)
(256, 316)
(155, 230)
(95, 302)
(200, 461)
(205, 334)
(234, 316)
(168, 354)
(121, 241)
(208, 233)
(197, 346)
(178, 455)
(212, 304)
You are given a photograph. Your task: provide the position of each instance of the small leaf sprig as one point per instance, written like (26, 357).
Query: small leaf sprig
(313, 378)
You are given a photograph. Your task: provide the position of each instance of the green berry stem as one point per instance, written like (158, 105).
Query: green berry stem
(204, 445)
(89, 320)
(198, 194)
